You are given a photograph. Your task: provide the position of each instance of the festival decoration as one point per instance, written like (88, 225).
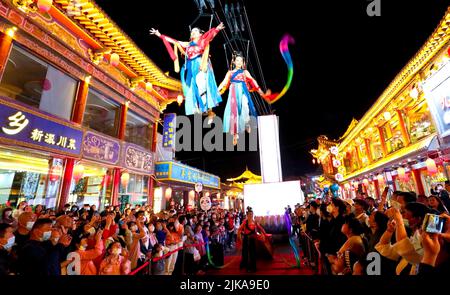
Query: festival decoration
(339, 177)
(168, 193)
(355, 184)
(401, 173)
(380, 179)
(431, 167)
(336, 163)
(125, 179)
(55, 173)
(334, 150)
(387, 116)
(347, 186)
(114, 59)
(78, 172)
(44, 5)
(366, 182)
(274, 97)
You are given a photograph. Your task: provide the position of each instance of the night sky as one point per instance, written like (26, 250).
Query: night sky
(343, 61)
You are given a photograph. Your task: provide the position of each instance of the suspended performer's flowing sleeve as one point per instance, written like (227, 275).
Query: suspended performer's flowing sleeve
(167, 41)
(207, 37)
(251, 83)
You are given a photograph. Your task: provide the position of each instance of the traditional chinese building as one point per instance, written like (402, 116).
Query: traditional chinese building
(79, 104)
(402, 140)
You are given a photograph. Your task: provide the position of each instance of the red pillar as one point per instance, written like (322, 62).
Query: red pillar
(117, 171)
(418, 179)
(77, 117)
(80, 104)
(151, 181)
(5, 48)
(67, 180)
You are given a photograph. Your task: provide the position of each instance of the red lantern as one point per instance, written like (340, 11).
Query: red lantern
(55, 173)
(78, 172)
(114, 59)
(44, 5)
(401, 173)
(431, 167)
(125, 179)
(380, 179)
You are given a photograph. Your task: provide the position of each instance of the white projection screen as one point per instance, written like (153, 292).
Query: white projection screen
(271, 198)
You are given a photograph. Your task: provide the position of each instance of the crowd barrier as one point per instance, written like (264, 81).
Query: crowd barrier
(311, 253)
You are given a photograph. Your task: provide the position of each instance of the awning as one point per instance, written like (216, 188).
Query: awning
(428, 144)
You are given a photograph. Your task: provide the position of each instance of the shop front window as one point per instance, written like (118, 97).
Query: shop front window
(101, 114)
(418, 122)
(393, 135)
(406, 185)
(93, 188)
(30, 80)
(376, 148)
(135, 191)
(363, 154)
(35, 179)
(355, 163)
(139, 131)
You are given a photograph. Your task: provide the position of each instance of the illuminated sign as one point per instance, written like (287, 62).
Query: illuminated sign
(169, 130)
(22, 127)
(173, 171)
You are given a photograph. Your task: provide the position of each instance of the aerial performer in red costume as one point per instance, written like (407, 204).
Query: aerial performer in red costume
(240, 107)
(197, 76)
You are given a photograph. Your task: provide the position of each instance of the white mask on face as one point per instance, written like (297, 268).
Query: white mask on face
(10, 243)
(30, 225)
(134, 228)
(151, 228)
(46, 236)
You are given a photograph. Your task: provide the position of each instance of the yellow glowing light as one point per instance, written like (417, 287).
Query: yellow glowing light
(11, 32)
(88, 79)
(387, 116)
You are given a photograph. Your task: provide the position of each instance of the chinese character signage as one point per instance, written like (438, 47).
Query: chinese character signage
(35, 130)
(101, 148)
(169, 130)
(137, 158)
(182, 173)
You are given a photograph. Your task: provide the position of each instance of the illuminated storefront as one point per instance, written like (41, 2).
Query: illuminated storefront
(178, 182)
(403, 139)
(78, 113)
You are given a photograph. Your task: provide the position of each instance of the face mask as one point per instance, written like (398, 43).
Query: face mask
(46, 236)
(82, 248)
(116, 251)
(91, 231)
(151, 228)
(133, 228)
(30, 225)
(10, 243)
(416, 241)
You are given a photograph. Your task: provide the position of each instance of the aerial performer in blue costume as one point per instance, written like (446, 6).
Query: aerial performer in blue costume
(197, 76)
(240, 107)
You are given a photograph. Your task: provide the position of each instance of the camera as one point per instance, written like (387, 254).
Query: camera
(433, 224)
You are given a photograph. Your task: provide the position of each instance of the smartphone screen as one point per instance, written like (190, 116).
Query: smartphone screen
(433, 224)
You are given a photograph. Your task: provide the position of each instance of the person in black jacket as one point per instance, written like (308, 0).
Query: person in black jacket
(39, 257)
(7, 240)
(312, 222)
